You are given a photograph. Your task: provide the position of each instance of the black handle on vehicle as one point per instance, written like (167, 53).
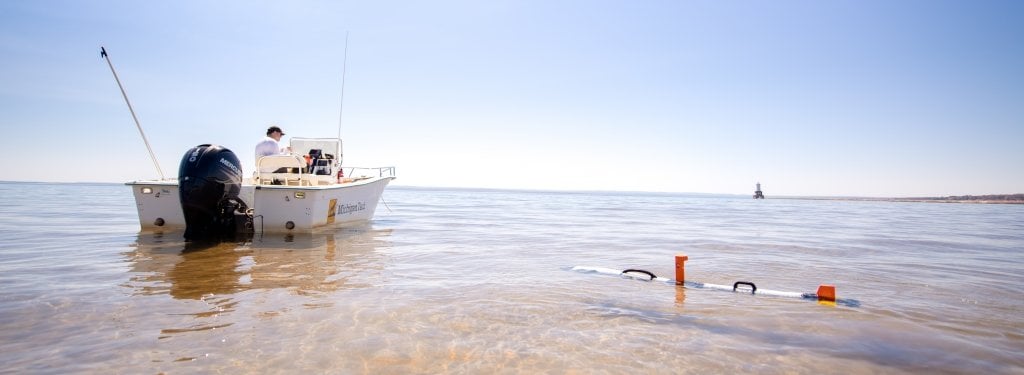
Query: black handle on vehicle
(753, 288)
(648, 273)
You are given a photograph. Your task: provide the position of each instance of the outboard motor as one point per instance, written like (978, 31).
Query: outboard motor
(210, 178)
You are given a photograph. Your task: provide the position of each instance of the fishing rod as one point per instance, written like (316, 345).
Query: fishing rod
(103, 54)
(344, 65)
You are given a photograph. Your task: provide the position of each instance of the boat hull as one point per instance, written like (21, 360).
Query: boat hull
(274, 208)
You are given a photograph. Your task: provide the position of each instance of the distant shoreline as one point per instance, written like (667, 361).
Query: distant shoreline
(976, 199)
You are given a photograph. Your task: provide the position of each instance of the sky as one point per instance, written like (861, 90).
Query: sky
(809, 98)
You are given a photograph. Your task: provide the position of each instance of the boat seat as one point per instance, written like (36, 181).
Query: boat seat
(287, 169)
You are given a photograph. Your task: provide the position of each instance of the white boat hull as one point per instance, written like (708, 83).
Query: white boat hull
(275, 208)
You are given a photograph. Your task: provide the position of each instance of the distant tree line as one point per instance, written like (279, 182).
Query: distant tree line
(1007, 198)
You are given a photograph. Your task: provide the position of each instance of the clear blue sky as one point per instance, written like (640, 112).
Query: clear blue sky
(863, 98)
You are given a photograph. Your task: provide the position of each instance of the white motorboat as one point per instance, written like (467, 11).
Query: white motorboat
(300, 192)
(287, 193)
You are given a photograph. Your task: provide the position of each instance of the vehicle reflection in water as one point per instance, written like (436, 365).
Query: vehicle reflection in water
(248, 280)
(307, 264)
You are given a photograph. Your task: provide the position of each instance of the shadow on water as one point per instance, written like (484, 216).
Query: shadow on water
(164, 263)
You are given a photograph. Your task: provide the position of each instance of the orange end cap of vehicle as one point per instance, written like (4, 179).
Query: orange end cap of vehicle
(827, 292)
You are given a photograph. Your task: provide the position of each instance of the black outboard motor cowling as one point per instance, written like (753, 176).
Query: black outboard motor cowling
(209, 179)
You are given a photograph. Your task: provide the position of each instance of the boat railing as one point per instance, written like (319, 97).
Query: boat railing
(290, 170)
(368, 171)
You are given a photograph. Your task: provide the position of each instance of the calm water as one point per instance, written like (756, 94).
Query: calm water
(479, 282)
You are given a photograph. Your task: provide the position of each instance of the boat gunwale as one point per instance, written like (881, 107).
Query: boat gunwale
(364, 181)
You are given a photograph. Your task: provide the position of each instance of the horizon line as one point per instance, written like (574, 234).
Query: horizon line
(548, 190)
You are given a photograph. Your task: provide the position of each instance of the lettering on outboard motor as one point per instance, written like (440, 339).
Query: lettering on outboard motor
(229, 165)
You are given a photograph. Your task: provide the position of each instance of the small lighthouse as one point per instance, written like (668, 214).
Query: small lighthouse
(757, 193)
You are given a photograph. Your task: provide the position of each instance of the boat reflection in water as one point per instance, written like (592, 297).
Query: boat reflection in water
(302, 263)
(219, 288)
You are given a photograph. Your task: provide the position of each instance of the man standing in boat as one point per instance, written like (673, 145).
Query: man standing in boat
(270, 144)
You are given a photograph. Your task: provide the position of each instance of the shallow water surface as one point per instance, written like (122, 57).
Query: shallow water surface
(480, 281)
